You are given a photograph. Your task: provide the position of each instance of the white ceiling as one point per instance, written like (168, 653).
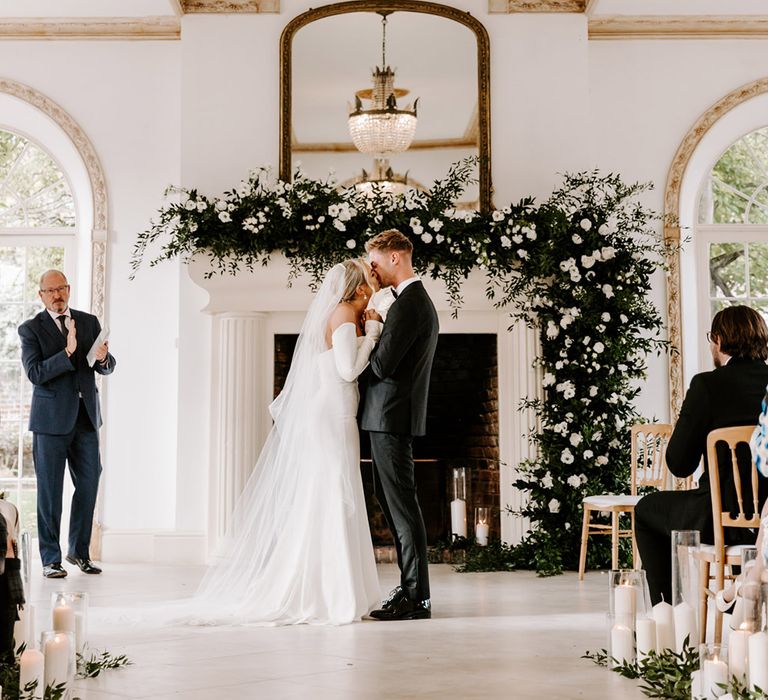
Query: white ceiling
(435, 58)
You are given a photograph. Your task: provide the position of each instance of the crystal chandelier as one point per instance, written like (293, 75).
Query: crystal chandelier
(382, 179)
(383, 129)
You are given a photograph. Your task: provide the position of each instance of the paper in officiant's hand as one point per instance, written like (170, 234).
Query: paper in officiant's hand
(103, 337)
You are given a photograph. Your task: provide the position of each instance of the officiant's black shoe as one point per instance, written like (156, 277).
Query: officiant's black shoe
(55, 570)
(85, 565)
(405, 609)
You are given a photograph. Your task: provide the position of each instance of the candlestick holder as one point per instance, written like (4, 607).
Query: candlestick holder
(459, 503)
(69, 613)
(685, 587)
(59, 651)
(713, 670)
(482, 525)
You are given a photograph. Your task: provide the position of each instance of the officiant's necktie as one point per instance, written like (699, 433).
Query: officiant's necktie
(63, 323)
(394, 293)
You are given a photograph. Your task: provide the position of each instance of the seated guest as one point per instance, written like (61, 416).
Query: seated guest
(11, 587)
(729, 395)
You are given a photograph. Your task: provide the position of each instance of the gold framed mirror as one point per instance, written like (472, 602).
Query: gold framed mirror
(440, 53)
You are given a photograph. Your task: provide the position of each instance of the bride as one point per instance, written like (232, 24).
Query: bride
(299, 549)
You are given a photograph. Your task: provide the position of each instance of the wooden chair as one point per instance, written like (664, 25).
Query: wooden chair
(714, 558)
(649, 468)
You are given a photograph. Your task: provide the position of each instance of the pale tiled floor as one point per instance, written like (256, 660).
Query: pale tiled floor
(495, 635)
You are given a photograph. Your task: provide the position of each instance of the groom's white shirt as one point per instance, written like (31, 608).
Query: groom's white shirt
(400, 287)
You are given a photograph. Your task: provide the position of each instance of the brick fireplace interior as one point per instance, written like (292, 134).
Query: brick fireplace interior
(462, 431)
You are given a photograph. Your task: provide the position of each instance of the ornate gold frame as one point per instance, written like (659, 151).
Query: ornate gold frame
(672, 229)
(431, 8)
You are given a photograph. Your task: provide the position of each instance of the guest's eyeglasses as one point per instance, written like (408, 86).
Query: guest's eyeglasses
(710, 337)
(52, 290)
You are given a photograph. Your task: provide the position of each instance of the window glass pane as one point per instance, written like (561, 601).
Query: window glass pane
(40, 259)
(33, 189)
(27, 463)
(727, 270)
(28, 509)
(10, 416)
(758, 209)
(758, 269)
(11, 273)
(11, 316)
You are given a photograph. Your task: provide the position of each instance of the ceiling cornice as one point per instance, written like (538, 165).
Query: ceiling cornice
(154, 28)
(510, 6)
(229, 6)
(679, 27)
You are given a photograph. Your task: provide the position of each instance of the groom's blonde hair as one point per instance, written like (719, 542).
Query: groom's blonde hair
(355, 274)
(390, 240)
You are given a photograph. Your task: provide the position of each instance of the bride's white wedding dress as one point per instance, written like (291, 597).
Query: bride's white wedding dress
(300, 549)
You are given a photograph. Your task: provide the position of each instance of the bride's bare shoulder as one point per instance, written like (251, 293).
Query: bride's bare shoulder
(343, 313)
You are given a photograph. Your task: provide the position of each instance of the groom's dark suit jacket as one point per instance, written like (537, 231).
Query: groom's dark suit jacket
(401, 363)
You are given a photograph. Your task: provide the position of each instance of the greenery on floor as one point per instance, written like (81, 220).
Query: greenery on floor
(577, 268)
(667, 674)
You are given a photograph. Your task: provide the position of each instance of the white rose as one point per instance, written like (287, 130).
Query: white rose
(517, 238)
(426, 237)
(598, 347)
(554, 506)
(573, 481)
(523, 254)
(546, 481)
(190, 205)
(576, 238)
(604, 230)
(439, 238)
(201, 206)
(588, 454)
(566, 456)
(587, 261)
(497, 215)
(351, 243)
(608, 253)
(531, 235)
(320, 219)
(608, 290)
(220, 206)
(552, 330)
(605, 317)
(505, 242)
(333, 210)
(593, 391)
(224, 216)
(623, 318)
(339, 224)
(435, 224)
(566, 320)
(548, 380)
(575, 439)
(586, 224)
(602, 460)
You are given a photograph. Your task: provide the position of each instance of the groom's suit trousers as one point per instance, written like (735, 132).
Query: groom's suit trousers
(395, 487)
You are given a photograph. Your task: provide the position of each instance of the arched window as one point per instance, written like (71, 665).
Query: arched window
(732, 230)
(38, 224)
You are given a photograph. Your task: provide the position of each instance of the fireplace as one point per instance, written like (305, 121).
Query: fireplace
(462, 431)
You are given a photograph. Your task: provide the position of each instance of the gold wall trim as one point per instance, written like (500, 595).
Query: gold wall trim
(510, 6)
(230, 6)
(155, 28)
(678, 27)
(672, 229)
(349, 147)
(430, 8)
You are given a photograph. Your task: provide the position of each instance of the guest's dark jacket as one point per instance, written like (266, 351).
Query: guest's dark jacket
(60, 381)
(401, 364)
(728, 396)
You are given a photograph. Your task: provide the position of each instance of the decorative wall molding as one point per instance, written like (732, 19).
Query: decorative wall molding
(230, 6)
(510, 6)
(672, 228)
(678, 27)
(155, 28)
(349, 147)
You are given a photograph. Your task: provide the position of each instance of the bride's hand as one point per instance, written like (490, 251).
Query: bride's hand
(372, 315)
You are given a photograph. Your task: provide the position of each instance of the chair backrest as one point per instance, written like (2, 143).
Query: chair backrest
(723, 518)
(649, 449)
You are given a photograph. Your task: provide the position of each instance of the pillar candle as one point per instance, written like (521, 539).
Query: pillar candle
(665, 626)
(79, 632)
(624, 600)
(63, 618)
(57, 654)
(646, 636)
(695, 685)
(481, 533)
(738, 645)
(758, 660)
(622, 644)
(459, 517)
(24, 627)
(714, 672)
(685, 625)
(31, 665)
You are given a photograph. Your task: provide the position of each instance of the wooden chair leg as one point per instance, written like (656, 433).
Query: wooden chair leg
(584, 537)
(719, 585)
(703, 585)
(615, 539)
(636, 563)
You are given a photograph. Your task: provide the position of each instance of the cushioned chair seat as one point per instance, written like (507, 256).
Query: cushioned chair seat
(612, 501)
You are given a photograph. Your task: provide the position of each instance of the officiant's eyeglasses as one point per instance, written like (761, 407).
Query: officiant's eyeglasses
(709, 337)
(53, 290)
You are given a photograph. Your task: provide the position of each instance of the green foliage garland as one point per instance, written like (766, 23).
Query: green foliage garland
(578, 268)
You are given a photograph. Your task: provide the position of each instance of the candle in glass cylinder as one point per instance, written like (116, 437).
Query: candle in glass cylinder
(738, 646)
(79, 632)
(57, 654)
(624, 602)
(665, 626)
(758, 660)
(696, 685)
(63, 618)
(714, 672)
(31, 665)
(24, 627)
(481, 533)
(645, 629)
(459, 517)
(622, 644)
(685, 625)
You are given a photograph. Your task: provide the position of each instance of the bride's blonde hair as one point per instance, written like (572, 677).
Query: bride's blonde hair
(355, 274)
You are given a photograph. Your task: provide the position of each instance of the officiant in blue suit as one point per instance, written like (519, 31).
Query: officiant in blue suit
(65, 418)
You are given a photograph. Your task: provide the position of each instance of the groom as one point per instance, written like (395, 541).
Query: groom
(395, 410)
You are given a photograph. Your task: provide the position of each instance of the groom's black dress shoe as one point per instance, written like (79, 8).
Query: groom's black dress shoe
(55, 570)
(404, 608)
(394, 595)
(85, 565)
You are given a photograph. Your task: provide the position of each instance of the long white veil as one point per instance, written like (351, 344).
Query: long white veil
(242, 586)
